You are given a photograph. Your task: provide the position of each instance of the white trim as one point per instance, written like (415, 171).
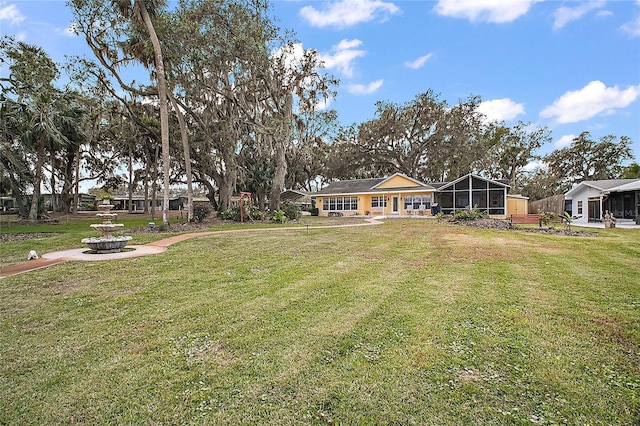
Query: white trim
(395, 198)
(374, 193)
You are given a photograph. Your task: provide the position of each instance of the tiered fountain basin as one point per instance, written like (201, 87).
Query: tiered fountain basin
(107, 243)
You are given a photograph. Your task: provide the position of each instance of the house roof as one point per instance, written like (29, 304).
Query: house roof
(294, 194)
(448, 184)
(608, 185)
(634, 185)
(369, 186)
(353, 186)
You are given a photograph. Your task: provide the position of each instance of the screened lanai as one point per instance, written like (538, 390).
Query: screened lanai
(473, 191)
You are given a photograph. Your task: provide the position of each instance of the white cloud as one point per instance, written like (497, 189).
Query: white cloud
(496, 11)
(564, 141)
(70, 31)
(346, 13)
(342, 56)
(361, 89)
(563, 15)
(590, 101)
(501, 109)
(290, 54)
(11, 13)
(632, 27)
(534, 165)
(21, 36)
(323, 104)
(418, 63)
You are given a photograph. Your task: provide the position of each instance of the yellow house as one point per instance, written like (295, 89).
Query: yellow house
(400, 195)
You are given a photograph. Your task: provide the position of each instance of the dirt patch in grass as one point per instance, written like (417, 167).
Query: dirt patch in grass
(468, 375)
(505, 225)
(214, 222)
(616, 333)
(465, 246)
(212, 352)
(8, 237)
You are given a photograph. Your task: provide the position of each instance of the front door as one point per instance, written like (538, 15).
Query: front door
(395, 205)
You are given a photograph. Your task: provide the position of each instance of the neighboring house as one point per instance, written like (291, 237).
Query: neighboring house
(590, 199)
(83, 200)
(301, 198)
(401, 195)
(121, 202)
(8, 205)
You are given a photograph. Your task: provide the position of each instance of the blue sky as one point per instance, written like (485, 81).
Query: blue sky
(572, 66)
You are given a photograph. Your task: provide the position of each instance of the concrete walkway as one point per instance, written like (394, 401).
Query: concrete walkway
(619, 224)
(156, 247)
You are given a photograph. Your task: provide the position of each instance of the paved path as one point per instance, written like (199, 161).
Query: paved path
(155, 247)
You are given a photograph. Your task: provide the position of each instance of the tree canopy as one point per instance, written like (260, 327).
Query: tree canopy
(232, 103)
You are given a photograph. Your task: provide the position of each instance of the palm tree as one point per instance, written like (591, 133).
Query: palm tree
(48, 123)
(14, 168)
(140, 13)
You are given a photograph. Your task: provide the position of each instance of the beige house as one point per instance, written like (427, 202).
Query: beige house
(400, 195)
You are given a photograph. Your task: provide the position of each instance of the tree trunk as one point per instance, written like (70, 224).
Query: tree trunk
(211, 193)
(54, 201)
(154, 185)
(147, 173)
(76, 195)
(164, 110)
(35, 197)
(281, 142)
(130, 180)
(187, 155)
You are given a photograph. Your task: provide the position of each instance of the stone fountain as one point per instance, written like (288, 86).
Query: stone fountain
(107, 243)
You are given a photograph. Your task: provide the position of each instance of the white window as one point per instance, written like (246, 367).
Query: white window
(417, 202)
(378, 201)
(340, 203)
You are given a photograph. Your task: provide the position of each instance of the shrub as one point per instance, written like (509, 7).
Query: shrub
(200, 212)
(255, 213)
(230, 214)
(291, 210)
(470, 214)
(546, 217)
(279, 216)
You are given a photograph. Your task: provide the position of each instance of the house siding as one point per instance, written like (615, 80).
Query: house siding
(397, 182)
(365, 205)
(580, 203)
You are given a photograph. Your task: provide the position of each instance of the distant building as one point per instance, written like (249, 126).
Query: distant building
(121, 202)
(590, 199)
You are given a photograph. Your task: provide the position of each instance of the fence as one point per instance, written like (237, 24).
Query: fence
(553, 204)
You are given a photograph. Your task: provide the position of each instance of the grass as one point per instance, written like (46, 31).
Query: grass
(410, 322)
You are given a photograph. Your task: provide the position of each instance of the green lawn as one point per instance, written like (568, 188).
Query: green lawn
(409, 322)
